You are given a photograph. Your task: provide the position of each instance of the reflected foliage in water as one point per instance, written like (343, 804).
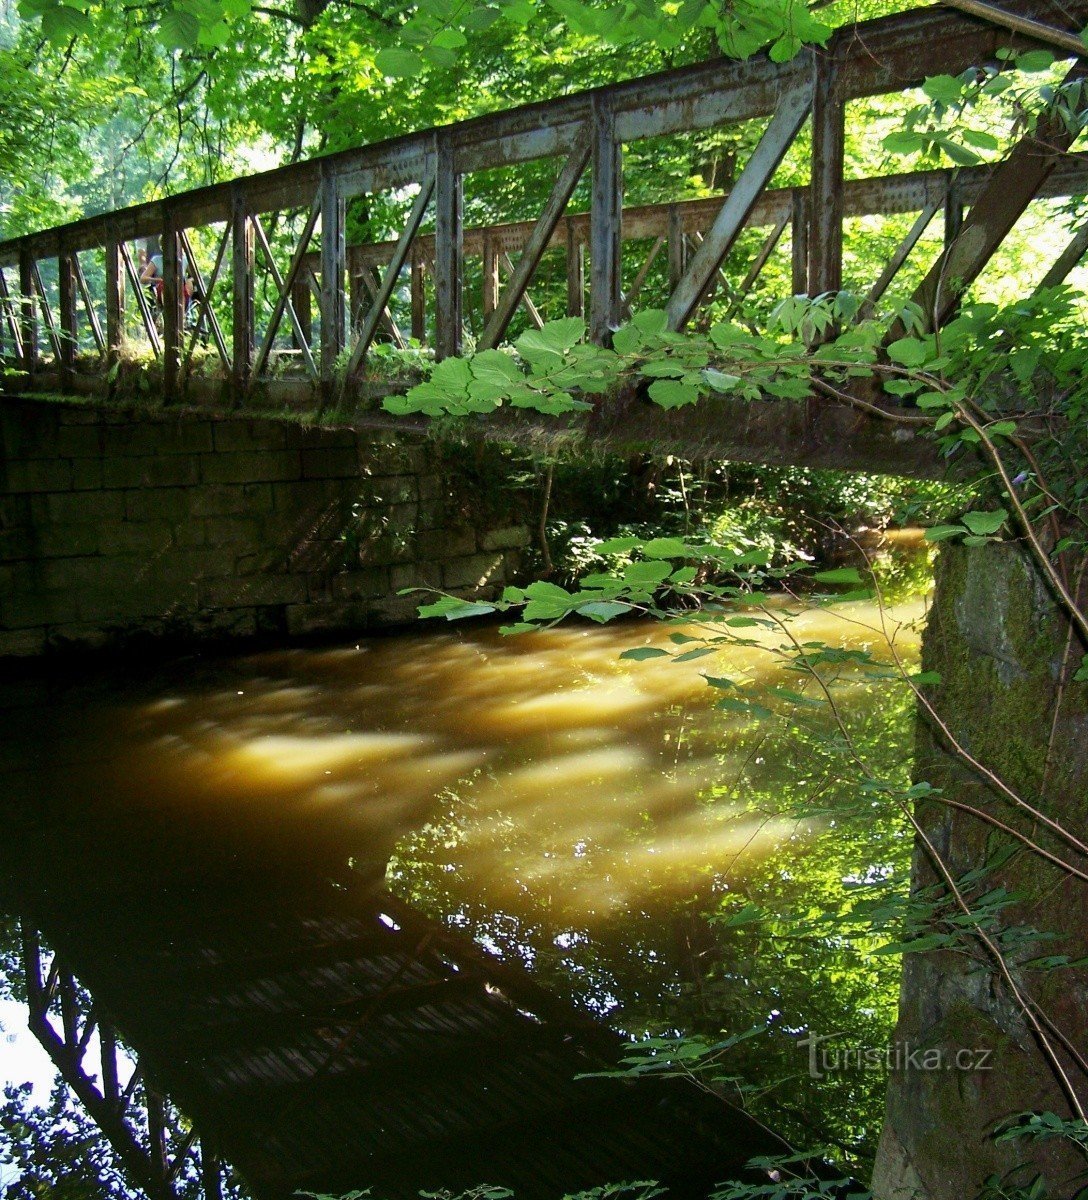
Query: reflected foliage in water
(598, 819)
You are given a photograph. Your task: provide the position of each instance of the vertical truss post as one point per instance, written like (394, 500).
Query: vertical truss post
(173, 308)
(576, 273)
(605, 222)
(419, 299)
(954, 210)
(490, 297)
(211, 1174)
(69, 327)
(115, 300)
(800, 218)
(107, 1042)
(243, 257)
(333, 267)
(828, 168)
(27, 310)
(678, 249)
(156, 1131)
(448, 252)
(300, 300)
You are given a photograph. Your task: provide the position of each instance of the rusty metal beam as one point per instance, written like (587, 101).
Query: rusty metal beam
(895, 263)
(332, 304)
(380, 303)
(605, 222)
(1013, 184)
(243, 260)
(789, 116)
(1069, 258)
(537, 241)
(448, 253)
(1067, 43)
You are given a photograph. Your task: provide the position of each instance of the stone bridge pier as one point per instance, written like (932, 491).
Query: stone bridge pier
(121, 526)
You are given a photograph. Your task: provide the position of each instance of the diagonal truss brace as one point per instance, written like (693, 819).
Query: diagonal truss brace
(384, 292)
(205, 312)
(538, 240)
(1068, 259)
(779, 135)
(88, 305)
(895, 263)
(283, 303)
(7, 308)
(141, 300)
(1015, 182)
(38, 292)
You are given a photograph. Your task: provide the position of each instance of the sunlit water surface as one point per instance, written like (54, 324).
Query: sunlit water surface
(591, 816)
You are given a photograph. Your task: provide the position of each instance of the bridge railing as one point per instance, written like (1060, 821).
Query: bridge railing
(275, 250)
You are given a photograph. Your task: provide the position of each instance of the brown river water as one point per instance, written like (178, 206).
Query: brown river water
(582, 815)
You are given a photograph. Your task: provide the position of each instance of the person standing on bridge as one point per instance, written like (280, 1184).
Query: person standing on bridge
(151, 275)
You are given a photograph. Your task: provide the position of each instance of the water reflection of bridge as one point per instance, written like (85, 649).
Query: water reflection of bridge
(319, 1034)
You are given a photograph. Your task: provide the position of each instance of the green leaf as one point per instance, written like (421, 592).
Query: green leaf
(720, 381)
(651, 321)
(552, 592)
(666, 548)
(941, 533)
(449, 39)
(399, 63)
(647, 574)
(983, 524)
(698, 652)
(62, 22)
(178, 29)
(944, 89)
(910, 352)
(1035, 60)
(671, 393)
(980, 139)
(454, 610)
(551, 341)
(602, 610)
(617, 545)
(904, 142)
(639, 653)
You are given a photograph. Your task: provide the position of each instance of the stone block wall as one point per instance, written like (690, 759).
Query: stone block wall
(116, 526)
(1005, 658)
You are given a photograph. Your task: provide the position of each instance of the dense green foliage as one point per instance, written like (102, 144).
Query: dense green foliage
(108, 105)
